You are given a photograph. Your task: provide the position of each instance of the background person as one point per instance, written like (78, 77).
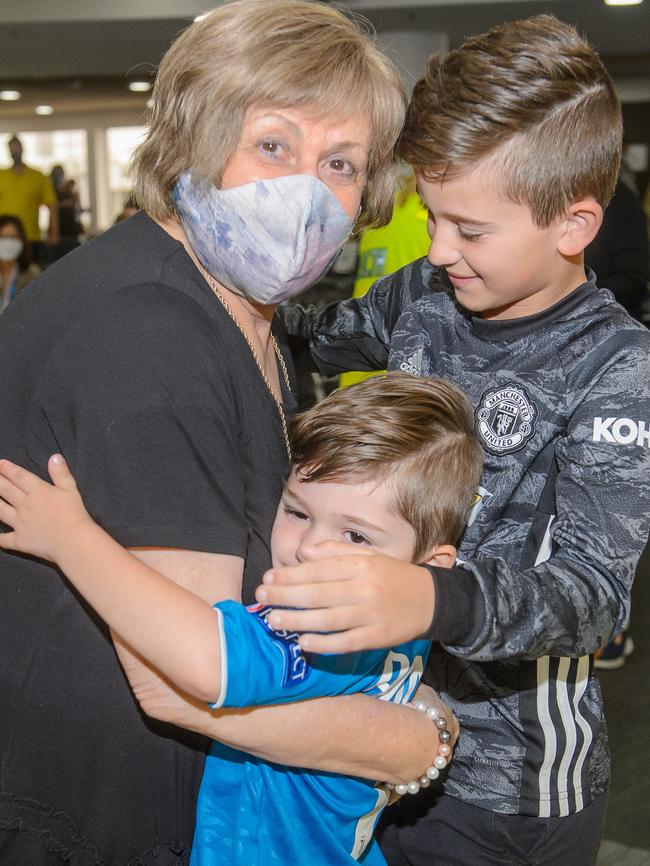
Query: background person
(619, 256)
(69, 212)
(16, 267)
(155, 364)
(619, 252)
(130, 208)
(22, 192)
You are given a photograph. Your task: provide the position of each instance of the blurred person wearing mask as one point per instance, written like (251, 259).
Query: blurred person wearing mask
(16, 267)
(22, 191)
(157, 366)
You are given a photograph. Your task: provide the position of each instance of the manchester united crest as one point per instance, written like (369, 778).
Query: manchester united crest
(505, 419)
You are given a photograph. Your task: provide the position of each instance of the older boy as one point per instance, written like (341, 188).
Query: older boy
(515, 138)
(356, 478)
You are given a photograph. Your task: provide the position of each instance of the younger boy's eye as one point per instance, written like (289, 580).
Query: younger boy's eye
(292, 512)
(356, 537)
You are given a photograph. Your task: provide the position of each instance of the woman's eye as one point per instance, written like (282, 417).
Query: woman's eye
(342, 165)
(271, 148)
(356, 537)
(341, 168)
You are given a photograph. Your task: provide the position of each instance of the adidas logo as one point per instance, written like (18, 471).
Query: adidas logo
(413, 364)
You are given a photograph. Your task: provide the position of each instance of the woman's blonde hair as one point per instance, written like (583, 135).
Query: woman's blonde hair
(286, 53)
(415, 433)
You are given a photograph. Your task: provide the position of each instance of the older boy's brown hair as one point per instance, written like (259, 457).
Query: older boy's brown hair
(416, 433)
(532, 100)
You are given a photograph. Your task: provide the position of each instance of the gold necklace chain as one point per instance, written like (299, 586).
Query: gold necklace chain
(278, 354)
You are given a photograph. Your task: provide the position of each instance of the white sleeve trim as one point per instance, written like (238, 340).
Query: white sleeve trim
(223, 651)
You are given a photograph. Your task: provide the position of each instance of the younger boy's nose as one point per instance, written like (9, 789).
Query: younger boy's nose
(303, 553)
(308, 541)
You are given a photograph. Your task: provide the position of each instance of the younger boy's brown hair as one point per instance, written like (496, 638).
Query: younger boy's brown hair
(533, 101)
(416, 433)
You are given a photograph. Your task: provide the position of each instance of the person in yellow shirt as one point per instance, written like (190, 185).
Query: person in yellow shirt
(22, 191)
(387, 249)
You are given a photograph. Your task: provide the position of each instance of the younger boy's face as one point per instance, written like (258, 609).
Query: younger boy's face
(501, 265)
(358, 514)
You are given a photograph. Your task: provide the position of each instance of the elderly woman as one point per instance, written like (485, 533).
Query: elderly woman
(156, 366)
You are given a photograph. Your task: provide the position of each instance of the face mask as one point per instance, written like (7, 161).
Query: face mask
(267, 240)
(10, 249)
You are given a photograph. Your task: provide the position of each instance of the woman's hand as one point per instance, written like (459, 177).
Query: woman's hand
(41, 515)
(367, 600)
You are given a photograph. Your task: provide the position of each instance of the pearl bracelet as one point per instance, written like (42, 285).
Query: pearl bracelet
(439, 762)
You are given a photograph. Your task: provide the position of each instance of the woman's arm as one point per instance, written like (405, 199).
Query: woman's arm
(355, 735)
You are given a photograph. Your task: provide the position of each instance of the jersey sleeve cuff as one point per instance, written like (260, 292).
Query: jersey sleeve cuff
(223, 656)
(459, 613)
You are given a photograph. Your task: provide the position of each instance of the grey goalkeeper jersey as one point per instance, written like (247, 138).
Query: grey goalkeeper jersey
(562, 407)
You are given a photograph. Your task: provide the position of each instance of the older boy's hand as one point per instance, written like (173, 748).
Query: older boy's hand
(361, 600)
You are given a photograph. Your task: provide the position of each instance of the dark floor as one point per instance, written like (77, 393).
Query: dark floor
(627, 705)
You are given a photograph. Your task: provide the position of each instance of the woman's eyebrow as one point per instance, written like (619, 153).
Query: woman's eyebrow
(274, 116)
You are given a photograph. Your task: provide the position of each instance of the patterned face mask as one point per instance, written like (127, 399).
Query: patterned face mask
(268, 240)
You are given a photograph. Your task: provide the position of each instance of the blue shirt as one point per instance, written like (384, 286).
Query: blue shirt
(261, 814)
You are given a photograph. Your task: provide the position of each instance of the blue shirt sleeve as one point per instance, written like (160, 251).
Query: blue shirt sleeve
(263, 666)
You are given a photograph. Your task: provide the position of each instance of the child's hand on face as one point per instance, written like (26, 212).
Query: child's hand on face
(41, 515)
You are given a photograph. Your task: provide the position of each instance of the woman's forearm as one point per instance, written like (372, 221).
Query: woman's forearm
(352, 735)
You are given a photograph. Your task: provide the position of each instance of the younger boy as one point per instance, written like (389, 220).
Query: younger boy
(515, 138)
(391, 466)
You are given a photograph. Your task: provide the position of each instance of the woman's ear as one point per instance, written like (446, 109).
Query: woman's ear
(443, 555)
(579, 226)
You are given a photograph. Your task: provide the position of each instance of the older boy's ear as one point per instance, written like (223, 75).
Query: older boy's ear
(579, 226)
(444, 556)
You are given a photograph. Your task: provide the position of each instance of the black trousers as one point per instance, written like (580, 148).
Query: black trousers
(443, 831)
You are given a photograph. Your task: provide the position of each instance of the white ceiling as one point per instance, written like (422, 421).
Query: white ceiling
(79, 53)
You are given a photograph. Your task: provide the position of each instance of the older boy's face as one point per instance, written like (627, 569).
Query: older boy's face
(358, 514)
(501, 265)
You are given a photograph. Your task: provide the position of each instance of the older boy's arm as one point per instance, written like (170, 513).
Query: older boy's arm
(581, 593)
(355, 334)
(490, 609)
